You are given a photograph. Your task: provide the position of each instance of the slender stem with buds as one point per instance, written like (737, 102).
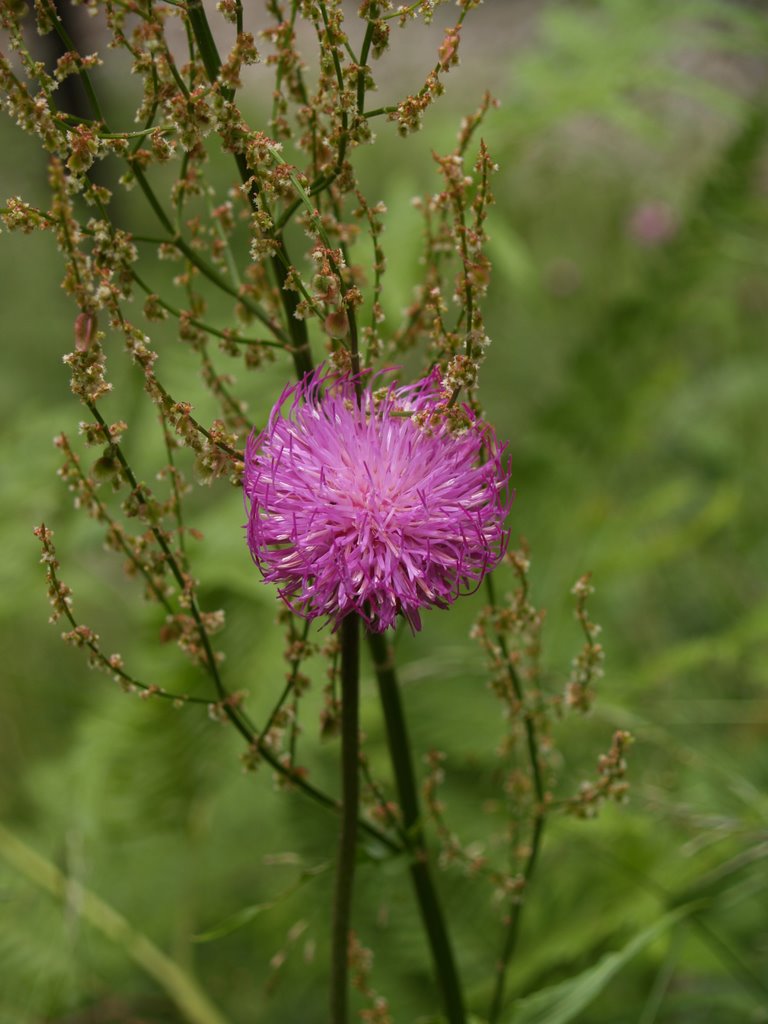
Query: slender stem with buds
(421, 876)
(350, 789)
(209, 662)
(516, 906)
(297, 328)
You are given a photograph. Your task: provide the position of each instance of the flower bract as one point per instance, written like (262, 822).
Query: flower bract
(372, 501)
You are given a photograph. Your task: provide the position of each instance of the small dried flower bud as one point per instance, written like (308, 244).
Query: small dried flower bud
(108, 466)
(86, 325)
(449, 48)
(84, 147)
(337, 324)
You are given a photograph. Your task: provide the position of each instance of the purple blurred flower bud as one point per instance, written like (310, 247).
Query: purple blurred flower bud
(653, 223)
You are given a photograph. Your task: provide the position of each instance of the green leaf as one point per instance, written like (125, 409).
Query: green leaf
(562, 1003)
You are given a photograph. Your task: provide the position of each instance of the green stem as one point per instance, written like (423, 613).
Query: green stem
(208, 328)
(291, 683)
(303, 196)
(205, 268)
(205, 41)
(513, 923)
(116, 669)
(350, 789)
(344, 120)
(85, 78)
(367, 40)
(421, 877)
(381, 110)
(314, 214)
(300, 350)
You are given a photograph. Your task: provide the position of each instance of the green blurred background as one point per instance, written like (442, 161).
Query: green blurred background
(629, 371)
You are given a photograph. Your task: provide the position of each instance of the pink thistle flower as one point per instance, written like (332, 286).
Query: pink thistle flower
(370, 504)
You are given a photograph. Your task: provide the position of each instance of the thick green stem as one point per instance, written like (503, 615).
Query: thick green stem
(205, 42)
(367, 40)
(421, 876)
(350, 794)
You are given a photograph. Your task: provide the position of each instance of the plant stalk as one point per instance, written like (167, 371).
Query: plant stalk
(350, 794)
(421, 876)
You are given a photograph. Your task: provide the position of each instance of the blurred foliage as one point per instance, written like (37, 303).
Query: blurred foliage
(629, 371)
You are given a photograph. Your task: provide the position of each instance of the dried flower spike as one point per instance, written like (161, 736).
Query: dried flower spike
(368, 502)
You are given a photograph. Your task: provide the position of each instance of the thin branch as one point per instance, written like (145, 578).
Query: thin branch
(294, 671)
(208, 328)
(518, 901)
(350, 787)
(300, 349)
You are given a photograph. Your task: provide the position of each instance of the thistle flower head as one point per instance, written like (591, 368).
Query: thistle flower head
(370, 503)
